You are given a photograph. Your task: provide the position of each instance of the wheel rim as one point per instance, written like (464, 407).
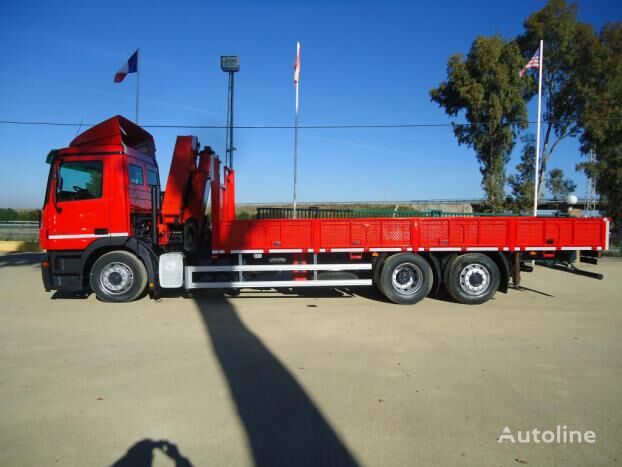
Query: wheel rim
(406, 279)
(474, 279)
(116, 278)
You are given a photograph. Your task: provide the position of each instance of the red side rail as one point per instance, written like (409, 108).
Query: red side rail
(411, 234)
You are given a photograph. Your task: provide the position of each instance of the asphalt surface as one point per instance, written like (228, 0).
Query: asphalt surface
(325, 378)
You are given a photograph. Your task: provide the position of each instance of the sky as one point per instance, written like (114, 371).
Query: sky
(363, 62)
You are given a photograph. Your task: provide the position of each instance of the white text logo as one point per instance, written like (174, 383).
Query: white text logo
(560, 435)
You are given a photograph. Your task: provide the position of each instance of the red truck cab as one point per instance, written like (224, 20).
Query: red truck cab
(98, 196)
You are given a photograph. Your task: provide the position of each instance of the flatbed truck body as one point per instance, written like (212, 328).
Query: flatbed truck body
(107, 228)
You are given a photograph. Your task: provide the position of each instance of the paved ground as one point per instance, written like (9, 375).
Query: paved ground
(325, 379)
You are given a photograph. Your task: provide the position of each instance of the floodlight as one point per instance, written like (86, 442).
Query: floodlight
(230, 63)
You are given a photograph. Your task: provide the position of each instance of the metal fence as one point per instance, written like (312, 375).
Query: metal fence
(319, 213)
(19, 230)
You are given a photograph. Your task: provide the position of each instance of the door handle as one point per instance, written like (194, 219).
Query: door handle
(100, 231)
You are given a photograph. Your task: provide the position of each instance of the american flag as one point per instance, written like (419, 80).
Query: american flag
(533, 63)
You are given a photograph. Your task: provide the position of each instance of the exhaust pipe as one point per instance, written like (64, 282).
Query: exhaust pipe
(154, 214)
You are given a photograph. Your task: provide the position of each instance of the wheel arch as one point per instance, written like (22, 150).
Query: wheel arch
(377, 262)
(504, 269)
(132, 245)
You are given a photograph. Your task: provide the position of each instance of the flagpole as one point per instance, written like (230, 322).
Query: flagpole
(137, 82)
(296, 133)
(295, 150)
(537, 175)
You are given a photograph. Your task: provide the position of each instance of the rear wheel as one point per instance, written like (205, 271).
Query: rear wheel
(118, 276)
(406, 278)
(191, 236)
(377, 275)
(473, 278)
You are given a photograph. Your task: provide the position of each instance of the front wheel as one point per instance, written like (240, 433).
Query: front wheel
(473, 278)
(118, 276)
(405, 278)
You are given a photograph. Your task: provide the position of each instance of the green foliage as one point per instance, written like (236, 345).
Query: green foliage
(521, 183)
(486, 87)
(598, 85)
(558, 186)
(94, 185)
(8, 214)
(556, 23)
(31, 215)
(582, 96)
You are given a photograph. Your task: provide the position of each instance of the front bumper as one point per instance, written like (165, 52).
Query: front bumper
(62, 270)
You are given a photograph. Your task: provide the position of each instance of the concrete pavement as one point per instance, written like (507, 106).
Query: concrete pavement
(323, 378)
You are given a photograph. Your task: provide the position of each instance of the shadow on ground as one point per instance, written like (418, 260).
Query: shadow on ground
(141, 454)
(282, 424)
(520, 288)
(20, 259)
(370, 293)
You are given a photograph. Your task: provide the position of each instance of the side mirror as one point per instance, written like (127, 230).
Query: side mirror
(59, 185)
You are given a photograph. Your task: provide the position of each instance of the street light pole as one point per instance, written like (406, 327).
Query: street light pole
(231, 65)
(230, 120)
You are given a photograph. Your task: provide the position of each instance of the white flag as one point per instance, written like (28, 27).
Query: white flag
(297, 65)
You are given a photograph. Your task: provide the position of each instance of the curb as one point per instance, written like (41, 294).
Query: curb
(17, 246)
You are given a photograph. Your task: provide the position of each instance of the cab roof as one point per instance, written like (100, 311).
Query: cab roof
(116, 131)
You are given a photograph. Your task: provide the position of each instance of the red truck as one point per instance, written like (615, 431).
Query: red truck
(107, 228)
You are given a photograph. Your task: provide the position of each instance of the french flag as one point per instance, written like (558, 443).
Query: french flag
(131, 66)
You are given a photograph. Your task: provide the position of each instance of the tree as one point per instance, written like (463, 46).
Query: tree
(486, 87)
(521, 183)
(558, 186)
(598, 84)
(8, 214)
(29, 215)
(556, 23)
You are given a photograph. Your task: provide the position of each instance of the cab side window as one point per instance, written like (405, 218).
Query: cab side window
(136, 175)
(152, 178)
(79, 180)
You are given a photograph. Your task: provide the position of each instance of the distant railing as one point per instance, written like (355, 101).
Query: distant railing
(24, 223)
(19, 230)
(317, 213)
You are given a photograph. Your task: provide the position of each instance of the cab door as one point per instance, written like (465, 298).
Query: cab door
(80, 206)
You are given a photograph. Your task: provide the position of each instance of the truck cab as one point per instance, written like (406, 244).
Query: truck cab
(98, 196)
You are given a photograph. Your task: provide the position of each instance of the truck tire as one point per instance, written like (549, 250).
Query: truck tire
(191, 236)
(406, 278)
(377, 275)
(118, 276)
(472, 278)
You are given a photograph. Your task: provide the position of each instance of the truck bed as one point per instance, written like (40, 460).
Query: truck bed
(410, 234)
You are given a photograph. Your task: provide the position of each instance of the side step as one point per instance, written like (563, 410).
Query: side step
(281, 267)
(190, 283)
